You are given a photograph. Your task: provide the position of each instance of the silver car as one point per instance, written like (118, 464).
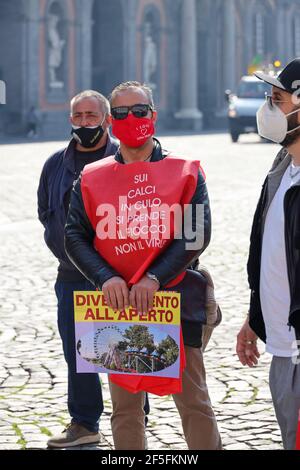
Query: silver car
(243, 106)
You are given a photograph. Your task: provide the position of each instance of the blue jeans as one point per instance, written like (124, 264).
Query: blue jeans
(85, 402)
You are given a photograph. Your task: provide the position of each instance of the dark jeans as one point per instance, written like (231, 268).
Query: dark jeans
(85, 402)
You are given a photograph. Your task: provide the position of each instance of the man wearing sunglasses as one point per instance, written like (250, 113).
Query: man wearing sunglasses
(140, 158)
(274, 256)
(90, 120)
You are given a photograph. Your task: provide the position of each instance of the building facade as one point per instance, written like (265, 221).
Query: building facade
(188, 51)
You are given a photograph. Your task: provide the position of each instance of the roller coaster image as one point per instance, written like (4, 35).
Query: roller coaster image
(102, 347)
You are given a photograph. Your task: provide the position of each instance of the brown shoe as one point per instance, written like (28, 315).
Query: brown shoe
(74, 435)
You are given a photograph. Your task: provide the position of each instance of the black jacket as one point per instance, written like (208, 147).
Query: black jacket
(79, 236)
(292, 242)
(57, 178)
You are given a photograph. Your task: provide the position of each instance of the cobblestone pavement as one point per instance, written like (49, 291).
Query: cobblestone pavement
(32, 368)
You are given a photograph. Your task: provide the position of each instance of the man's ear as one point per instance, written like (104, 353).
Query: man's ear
(108, 119)
(296, 98)
(154, 116)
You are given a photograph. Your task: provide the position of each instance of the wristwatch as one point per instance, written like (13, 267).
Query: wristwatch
(152, 277)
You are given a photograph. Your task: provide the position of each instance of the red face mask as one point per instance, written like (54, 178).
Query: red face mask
(133, 131)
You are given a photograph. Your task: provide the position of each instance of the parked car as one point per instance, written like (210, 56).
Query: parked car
(243, 105)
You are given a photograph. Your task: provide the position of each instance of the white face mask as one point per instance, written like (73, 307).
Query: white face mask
(272, 123)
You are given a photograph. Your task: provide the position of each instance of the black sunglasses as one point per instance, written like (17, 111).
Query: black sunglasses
(138, 110)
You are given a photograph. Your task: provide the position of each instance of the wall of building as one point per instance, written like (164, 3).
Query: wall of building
(12, 28)
(189, 52)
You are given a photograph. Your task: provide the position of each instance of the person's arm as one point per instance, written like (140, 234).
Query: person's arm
(42, 197)
(176, 258)
(79, 238)
(246, 341)
(246, 345)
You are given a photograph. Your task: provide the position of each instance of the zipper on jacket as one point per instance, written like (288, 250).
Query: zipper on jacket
(288, 249)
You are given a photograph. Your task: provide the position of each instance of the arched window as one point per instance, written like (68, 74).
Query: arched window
(107, 45)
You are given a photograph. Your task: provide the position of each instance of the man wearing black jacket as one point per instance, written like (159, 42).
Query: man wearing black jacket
(274, 257)
(90, 119)
(133, 122)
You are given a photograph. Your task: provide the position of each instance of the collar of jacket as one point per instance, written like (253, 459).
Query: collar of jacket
(67, 178)
(281, 162)
(157, 154)
(69, 154)
(276, 173)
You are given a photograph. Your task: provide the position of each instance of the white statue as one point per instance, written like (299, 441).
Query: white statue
(55, 50)
(150, 57)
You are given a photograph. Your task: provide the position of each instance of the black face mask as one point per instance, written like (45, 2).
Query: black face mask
(88, 137)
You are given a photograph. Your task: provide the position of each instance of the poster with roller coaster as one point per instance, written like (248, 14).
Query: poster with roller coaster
(127, 342)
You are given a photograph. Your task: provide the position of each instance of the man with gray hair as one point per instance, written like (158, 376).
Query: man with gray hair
(90, 119)
(154, 263)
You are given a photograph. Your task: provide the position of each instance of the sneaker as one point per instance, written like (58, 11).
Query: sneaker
(74, 435)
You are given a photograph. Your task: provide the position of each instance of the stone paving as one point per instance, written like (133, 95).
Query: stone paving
(32, 368)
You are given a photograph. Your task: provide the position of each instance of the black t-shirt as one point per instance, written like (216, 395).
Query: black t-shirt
(66, 271)
(82, 159)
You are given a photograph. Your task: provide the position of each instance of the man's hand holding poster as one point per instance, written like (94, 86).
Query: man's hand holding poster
(127, 342)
